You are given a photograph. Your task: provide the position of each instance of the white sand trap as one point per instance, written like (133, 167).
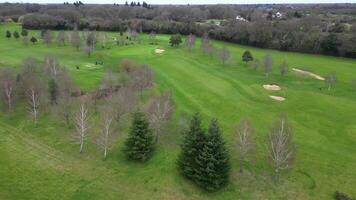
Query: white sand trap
(302, 72)
(277, 98)
(159, 51)
(272, 87)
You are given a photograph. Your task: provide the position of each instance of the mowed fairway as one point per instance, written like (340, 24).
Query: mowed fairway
(43, 163)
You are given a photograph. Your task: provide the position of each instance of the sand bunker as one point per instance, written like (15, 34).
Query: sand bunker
(272, 87)
(277, 98)
(302, 72)
(159, 51)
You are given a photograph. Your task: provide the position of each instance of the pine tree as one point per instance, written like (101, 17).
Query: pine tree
(140, 144)
(53, 90)
(247, 56)
(8, 34)
(24, 32)
(16, 35)
(212, 172)
(33, 39)
(193, 143)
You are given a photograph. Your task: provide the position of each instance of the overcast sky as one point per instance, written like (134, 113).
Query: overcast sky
(189, 1)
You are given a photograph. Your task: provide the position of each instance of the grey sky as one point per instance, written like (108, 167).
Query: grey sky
(189, 1)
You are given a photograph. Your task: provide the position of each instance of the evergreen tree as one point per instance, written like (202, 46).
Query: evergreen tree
(247, 56)
(24, 32)
(16, 35)
(8, 34)
(53, 91)
(212, 172)
(193, 143)
(140, 144)
(33, 39)
(175, 40)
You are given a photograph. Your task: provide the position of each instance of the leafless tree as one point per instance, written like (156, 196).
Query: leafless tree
(109, 81)
(34, 102)
(52, 66)
(245, 141)
(65, 100)
(75, 39)
(353, 83)
(224, 55)
(103, 39)
(25, 40)
(47, 37)
(206, 46)
(267, 65)
(7, 86)
(142, 78)
(90, 43)
(104, 139)
(152, 38)
(280, 146)
(123, 102)
(81, 118)
(61, 38)
(330, 80)
(160, 111)
(255, 64)
(190, 42)
(283, 68)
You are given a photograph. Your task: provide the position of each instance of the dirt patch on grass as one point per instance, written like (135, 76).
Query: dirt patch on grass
(272, 87)
(159, 51)
(306, 73)
(277, 98)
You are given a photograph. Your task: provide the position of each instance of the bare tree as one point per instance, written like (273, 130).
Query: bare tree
(255, 64)
(75, 39)
(206, 46)
(25, 40)
(267, 65)
(245, 141)
(142, 78)
(283, 68)
(90, 43)
(281, 149)
(123, 102)
(109, 82)
(47, 37)
(103, 39)
(34, 102)
(160, 111)
(224, 55)
(152, 38)
(61, 38)
(330, 80)
(190, 42)
(353, 83)
(81, 122)
(52, 66)
(104, 139)
(7, 86)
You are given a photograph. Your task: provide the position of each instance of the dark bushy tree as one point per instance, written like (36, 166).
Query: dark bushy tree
(247, 56)
(140, 144)
(24, 32)
(8, 34)
(175, 40)
(16, 35)
(33, 40)
(212, 172)
(193, 143)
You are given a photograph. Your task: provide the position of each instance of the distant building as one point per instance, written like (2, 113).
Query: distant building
(239, 18)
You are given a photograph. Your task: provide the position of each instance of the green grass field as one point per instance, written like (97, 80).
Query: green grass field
(43, 163)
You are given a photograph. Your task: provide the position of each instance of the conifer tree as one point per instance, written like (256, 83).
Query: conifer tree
(247, 56)
(212, 171)
(140, 144)
(193, 143)
(8, 34)
(16, 35)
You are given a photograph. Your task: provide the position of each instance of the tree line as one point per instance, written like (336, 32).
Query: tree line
(308, 29)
